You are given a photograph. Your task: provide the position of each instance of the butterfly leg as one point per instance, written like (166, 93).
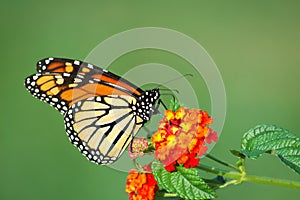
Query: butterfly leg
(160, 102)
(149, 133)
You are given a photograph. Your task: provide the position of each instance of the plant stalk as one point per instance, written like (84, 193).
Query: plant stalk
(170, 195)
(222, 162)
(239, 177)
(273, 181)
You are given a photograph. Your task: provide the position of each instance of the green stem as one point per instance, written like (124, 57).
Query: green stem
(222, 162)
(273, 181)
(137, 165)
(240, 177)
(170, 195)
(220, 172)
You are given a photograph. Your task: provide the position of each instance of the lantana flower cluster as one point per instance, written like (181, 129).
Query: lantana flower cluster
(137, 147)
(140, 186)
(181, 137)
(179, 140)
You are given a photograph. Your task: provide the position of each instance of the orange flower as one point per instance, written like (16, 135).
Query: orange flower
(179, 113)
(181, 136)
(169, 114)
(140, 186)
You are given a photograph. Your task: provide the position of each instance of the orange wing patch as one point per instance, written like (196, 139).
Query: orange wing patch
(116, 82)
(89, 90)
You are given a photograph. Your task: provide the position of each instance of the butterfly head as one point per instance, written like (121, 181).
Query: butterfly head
(146, 104)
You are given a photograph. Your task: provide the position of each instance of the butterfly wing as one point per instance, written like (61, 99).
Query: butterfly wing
(99, 107)
(62, 82)
(102, 127)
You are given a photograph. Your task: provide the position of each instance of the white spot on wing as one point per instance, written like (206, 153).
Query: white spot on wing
(90, 66)
(55, 99)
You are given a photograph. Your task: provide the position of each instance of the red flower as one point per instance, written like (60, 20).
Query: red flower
(213, 136)
(180, 137)
(192, 161)
(140, 186)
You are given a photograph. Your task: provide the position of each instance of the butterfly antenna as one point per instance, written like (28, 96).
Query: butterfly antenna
(174, 79)
(173, 90)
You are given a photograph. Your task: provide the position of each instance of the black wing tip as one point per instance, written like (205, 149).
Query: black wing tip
(29, 81)
(53, 58)
(43, 62)
(41, 65)
(30, 85)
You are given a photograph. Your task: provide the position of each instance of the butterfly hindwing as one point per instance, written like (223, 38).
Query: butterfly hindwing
(102, 127)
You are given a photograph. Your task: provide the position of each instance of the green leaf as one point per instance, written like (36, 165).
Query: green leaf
(272, 139)
(186, 183)
(291, 164)
(174, 105)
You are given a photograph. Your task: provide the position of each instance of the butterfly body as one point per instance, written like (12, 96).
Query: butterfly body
(102, 111)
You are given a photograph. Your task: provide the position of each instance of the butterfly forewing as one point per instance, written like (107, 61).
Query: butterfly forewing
(62, 82)
(86, 73)
(49, 88)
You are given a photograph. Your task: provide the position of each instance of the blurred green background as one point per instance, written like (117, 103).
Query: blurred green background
(255, 44)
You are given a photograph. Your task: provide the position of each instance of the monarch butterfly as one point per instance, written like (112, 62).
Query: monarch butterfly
(102, 111)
